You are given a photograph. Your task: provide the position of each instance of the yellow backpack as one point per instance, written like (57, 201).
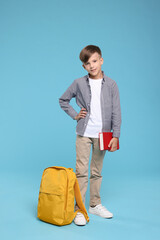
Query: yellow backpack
(58, 188)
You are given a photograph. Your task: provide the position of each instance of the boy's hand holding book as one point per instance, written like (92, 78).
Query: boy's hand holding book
(113, 144)
(108, 142)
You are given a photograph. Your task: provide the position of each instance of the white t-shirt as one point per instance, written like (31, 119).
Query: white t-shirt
(94, 125)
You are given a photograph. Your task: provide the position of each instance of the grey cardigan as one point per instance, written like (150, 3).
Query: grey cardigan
(110, 104)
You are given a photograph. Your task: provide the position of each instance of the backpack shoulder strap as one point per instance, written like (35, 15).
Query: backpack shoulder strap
(79, 200)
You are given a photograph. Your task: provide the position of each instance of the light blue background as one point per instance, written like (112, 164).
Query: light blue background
(40, 42)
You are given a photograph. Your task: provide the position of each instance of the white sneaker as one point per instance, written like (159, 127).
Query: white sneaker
(80, 219)
(100, 211)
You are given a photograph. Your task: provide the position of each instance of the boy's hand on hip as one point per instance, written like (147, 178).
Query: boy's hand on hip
(113, 144)
(81, 114)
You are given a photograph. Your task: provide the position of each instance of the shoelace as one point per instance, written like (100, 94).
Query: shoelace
(79, 215)
(102, 208)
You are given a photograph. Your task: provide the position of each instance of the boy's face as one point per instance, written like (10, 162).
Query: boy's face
(93, 65)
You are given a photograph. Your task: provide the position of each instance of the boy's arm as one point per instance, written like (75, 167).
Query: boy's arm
(116, 112)
(64, 100)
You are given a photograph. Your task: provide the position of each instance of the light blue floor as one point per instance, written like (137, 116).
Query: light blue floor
(134, 201)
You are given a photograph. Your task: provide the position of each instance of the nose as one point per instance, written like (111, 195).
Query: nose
(92, 66)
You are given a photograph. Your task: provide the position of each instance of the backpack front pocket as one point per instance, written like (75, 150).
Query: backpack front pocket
(51, 207)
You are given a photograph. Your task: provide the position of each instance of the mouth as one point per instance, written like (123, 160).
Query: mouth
(93, 70)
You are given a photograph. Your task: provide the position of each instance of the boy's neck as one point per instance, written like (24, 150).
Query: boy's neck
(98, 76)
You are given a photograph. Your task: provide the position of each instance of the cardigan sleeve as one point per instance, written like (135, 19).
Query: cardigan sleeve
(64, 100)
(116, 111)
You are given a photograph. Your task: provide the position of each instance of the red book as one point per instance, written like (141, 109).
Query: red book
(104, 139)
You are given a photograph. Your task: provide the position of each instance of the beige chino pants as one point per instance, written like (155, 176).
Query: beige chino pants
(83, 148)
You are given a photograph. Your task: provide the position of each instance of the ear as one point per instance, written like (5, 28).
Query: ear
(101, 60)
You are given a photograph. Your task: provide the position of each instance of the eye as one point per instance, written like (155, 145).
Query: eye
(95, 61)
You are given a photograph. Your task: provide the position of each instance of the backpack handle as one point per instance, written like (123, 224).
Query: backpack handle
(79, 201)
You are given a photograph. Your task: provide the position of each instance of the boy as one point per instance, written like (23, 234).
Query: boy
(98, 97)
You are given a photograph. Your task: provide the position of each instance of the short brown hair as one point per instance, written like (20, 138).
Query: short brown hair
(87, 51)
